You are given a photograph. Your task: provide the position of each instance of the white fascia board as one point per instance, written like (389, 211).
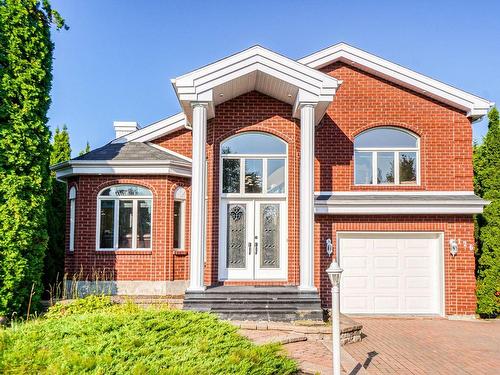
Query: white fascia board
(120, 167)
(170, 152)
(399, 209)
(389, 193)
(156, 130)
(474, 106)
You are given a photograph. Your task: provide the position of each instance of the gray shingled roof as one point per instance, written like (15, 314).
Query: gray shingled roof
(325, 198)
(129, 151)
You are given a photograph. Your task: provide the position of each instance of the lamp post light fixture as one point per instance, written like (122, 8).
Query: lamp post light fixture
(334, 272)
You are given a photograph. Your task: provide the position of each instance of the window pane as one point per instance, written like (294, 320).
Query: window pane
(126, 190)
(276, 176)
(363, 168)
(408, 168)
(177, 224)
(125, 210)
(385, 137)
(253, 176)
(231, 175)
(107, 224)
(385, 167)
(254, 143)
(144, 224)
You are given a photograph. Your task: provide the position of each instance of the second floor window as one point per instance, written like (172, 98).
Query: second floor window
(386, 156)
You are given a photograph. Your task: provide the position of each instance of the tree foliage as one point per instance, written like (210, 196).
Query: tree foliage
(25, 82)
(56, 210)
(85, 150)
(487, 185)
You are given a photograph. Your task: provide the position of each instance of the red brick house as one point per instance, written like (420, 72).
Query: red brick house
(272, 165)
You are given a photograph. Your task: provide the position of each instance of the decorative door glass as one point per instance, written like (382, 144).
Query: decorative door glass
(270, 235)
(236, 236)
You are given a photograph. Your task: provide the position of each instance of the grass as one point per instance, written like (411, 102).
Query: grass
(98, 337)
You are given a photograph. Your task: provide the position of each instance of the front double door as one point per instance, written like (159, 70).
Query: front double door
(253, 239)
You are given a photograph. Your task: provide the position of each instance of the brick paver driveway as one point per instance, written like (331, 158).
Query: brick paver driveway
(427, 346)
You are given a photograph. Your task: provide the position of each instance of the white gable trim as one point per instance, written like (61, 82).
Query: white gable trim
(156, 130)
(170, 152)
(199, 84)
(474, 106)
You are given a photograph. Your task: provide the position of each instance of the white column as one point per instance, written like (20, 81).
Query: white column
(198, 184)
(307, 129)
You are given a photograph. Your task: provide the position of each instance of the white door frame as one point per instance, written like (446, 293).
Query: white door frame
(253, 271)
(440, 257)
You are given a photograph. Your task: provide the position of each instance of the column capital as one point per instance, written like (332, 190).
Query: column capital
(307, 105)
(199, 104)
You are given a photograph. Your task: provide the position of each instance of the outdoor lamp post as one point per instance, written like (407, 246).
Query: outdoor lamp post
(334, 272)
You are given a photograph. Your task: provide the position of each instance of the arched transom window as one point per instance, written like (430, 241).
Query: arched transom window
(124, 218)
(386, 156)
(253, 163)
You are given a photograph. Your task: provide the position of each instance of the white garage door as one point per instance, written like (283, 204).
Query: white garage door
(390, 273)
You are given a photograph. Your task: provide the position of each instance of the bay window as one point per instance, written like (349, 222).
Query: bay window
(124, 218)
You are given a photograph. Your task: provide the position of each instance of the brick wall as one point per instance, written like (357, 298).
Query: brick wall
(160, 263)
(364, 101)
(459, 276)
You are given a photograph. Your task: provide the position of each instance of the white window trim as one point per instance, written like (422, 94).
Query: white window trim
(396, 150)
(134, 199)
(72, 218)
(180, 196)
(242, 158)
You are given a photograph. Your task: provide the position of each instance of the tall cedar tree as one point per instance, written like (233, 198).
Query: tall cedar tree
(487, 185)
(85, 150)
(25, 82)
(56, 213)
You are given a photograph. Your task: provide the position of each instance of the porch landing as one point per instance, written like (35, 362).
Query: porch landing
(259, 303)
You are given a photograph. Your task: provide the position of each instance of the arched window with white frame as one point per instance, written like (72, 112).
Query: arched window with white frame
(124, 218)
(72, 212)
(387, 156)
(179, 218)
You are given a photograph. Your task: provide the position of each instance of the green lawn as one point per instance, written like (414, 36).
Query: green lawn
(125, 339)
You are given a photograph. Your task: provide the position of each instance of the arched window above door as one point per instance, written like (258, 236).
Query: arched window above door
(253, 163)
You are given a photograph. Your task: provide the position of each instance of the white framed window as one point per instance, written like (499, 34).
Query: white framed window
(72, 212)
(124, 218)
(179, 218)
(253, 164)
(386, 156)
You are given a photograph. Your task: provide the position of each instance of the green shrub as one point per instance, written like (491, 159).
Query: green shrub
(79, 306)
(125, 339)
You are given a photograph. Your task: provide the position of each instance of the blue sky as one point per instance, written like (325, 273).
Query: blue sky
(117, 59)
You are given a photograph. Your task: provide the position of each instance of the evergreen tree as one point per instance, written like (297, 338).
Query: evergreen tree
(56, 209)
(86, 150)
(487, 185)
(25, 82)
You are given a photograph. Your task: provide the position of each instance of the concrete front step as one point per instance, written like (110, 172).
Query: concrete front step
(257, 303)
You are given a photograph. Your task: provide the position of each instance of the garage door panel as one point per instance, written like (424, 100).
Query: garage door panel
(352, 262)
(412, 262)
(386, 282)
(386, 304)
(355, 282)
(386, 262)
(390, 273)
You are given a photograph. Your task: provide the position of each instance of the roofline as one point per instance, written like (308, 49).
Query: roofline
(156, 130)
(474, 106)
(121, 167)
